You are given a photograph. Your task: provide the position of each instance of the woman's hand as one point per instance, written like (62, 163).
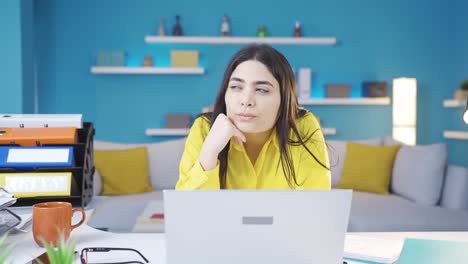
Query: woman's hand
(221, 132)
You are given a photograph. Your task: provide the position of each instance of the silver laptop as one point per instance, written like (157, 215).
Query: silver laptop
(234, 226)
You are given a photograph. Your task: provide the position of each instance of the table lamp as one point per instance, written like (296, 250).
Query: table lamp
(465, 114)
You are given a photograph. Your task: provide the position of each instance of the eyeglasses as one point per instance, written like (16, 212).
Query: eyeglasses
(85, 251)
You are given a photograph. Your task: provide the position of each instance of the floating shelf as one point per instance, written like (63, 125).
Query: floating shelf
(456, 134)
(346, 101)
(146, 70)
(185, 131)
(329, 131)
(454, 103)
(167, 131)
(244, 40)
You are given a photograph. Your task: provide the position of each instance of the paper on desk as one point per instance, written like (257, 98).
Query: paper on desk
(373, 249)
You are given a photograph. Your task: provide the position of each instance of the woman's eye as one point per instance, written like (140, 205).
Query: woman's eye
(235, 87)
(261, 90)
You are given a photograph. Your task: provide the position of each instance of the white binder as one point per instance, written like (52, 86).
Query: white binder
(41, 120)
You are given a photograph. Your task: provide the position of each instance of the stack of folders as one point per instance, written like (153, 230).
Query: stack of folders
(37, 154)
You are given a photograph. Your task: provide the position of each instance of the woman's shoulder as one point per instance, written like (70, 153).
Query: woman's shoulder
(201, 124)
(307, 120)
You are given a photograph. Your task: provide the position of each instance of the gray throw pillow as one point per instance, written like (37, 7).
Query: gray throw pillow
(164, 159)
(337, 155)
(418, 173)
(455, 191)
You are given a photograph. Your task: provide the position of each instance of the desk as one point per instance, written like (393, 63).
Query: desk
(152, 245)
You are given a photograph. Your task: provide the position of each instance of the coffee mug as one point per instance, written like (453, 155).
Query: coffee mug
(53, 220)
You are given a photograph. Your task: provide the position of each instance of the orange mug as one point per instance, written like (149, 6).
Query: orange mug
(53, 220)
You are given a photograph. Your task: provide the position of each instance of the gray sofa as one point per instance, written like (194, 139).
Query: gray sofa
(440, 205)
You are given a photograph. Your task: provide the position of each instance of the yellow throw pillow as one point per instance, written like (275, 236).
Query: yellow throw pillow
(123, 171)
(368, 168)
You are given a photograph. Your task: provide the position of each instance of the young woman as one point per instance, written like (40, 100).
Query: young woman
(257, 137)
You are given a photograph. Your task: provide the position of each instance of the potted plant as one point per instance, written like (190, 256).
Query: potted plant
(64, 254)
(462, 93)
(4, 251)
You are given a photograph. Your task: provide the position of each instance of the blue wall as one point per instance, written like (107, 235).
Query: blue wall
(458, 148)
(17, 43)
(10, 68)
(27, 55)
(378, 40)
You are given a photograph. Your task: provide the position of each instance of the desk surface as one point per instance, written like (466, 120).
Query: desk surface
(152, 245)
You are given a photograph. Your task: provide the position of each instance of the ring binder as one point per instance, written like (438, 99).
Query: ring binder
(82, 171)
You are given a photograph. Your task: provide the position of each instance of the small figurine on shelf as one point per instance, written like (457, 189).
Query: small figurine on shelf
(225, 26)
(147, 61)
(177, 29)
(297, 30)
(262, 31)
(161, 29)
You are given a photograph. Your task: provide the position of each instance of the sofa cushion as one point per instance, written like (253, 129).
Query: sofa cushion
(378, 213)
(163, 157)
(390, 141)
(123, 171)
(368, 168)
(97, 183)
(337, 154)
(455, 190)
(418, 173)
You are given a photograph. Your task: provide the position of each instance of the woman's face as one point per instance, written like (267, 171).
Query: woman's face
(252, 97)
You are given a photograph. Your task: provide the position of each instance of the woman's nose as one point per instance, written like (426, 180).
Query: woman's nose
(247, 99)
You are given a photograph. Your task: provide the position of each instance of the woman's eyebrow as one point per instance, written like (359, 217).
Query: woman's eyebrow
(237, 79)
(264, 82)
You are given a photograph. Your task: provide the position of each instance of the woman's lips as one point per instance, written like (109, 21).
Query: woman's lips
(246, 117)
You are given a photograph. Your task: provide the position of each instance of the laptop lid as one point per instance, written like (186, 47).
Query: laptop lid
(250, 226)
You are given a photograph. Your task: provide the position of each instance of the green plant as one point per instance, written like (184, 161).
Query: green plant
(64, 253)
(464, 85)
(5, 252)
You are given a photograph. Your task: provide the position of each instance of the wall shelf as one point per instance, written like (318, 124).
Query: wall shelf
(346, 101)
(243, 40)
(146, 70)
(167, 131)
(454, 103)
(185, 131)
(456, 134)
(329, 131)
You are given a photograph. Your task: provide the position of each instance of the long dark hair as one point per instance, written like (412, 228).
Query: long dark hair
(288, 113)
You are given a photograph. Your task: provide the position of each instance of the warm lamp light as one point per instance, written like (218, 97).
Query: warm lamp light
(404, 110)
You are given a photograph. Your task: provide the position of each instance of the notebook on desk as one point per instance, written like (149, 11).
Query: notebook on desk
(231, 227)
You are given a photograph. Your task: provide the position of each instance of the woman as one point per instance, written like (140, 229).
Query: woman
(257, 137)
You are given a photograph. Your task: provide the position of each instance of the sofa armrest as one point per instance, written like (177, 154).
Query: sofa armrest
(455, 190)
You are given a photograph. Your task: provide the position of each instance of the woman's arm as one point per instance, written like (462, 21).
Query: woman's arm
(199, 166)
(192, 175)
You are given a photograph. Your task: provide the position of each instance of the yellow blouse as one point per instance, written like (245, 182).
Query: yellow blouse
(266, 173)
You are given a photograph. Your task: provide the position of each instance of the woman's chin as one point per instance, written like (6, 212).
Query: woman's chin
(249, 128)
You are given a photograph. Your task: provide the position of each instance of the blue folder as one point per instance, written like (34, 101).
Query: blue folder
(24, 158)
(433, 251)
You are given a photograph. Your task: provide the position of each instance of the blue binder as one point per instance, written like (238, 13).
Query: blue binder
(433, 251)
(25, 158)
